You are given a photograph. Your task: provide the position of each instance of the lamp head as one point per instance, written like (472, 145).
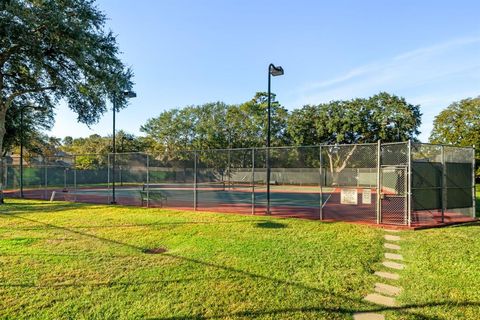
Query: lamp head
(129, 94)
(276, 71)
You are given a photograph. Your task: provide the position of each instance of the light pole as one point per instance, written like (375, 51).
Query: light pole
(272, 71)
(127, 94)
(21, 153)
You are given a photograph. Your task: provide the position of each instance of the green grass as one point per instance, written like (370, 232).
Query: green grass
(61, 261)
(442, 278)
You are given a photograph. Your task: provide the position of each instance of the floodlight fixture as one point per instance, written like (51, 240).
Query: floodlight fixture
(276, 71)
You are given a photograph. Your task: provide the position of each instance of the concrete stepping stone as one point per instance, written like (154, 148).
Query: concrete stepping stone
(391, 246)
(391, 230)
(381, 300)
(390, 237)
(393, 256)
(387, 289)
(393, 265)
(387, 275)
(368, 316)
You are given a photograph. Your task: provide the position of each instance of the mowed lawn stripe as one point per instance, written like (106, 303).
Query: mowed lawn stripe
(62, 260)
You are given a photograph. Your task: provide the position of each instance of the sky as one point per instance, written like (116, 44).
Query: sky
(193, 52)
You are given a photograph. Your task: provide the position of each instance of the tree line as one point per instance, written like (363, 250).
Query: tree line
(219, 126)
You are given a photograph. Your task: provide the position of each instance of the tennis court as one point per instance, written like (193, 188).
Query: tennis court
(401, 184)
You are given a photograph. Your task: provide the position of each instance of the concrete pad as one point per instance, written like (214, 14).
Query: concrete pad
(387, 275)
(391, 246)
(393, 256)
(387, 289)
(389, 237)
(393, 265)
(381, 300)
(368, 316)
(391, 230)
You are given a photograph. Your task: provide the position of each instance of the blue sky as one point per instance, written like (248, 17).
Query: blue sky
(193, 52)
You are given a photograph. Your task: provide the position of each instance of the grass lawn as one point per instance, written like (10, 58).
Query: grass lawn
(442, 278)
(60, 260)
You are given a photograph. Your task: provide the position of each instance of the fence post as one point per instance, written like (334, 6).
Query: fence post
(2, 179)
(195, 181)
(379, 182)
(75, 178)
(409, 186)
(148, 181)
(444, 184)
(473, 182)
(321, 182)
(46, 179)
(253, 180)
(108, 177)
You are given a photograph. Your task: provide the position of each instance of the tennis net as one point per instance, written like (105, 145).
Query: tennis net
(207, 186)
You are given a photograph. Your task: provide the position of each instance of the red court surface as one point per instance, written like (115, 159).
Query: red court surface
(303, 203)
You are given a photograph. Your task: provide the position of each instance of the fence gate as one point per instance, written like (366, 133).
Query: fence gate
(394, 183)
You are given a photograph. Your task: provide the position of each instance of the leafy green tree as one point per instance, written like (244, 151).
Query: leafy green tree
(58, 49)
(35, 120)
(382, 116)
(215, 126)
(459, 124)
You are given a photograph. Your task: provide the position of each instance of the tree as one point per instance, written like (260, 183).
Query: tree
(215, 126)
(383, 117)
(34, 121)
(58, 49)
(459, 124)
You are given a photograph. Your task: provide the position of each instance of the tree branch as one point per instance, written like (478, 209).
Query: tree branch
(7, 53)
(10, 99)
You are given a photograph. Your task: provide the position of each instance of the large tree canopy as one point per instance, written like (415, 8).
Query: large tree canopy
(216, 125)
(382, 116)
(58, 49)
(459, 124)
(35, 120)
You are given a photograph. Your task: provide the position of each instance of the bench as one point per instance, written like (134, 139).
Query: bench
(153, 195)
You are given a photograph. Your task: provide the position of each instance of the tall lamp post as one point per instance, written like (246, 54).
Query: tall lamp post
(21, 153)
(21, 148)
(127, 94)
(272, 71)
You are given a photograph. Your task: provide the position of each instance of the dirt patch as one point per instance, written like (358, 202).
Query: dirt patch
(155, 250)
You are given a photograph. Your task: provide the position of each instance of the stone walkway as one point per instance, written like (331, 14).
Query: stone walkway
(384, 294)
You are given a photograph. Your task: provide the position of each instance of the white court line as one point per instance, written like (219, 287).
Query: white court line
(325, 202)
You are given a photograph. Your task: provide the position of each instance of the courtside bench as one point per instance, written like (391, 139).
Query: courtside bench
(153, 196)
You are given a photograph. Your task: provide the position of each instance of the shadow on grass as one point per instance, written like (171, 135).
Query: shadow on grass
(406, 309)
(271, 225)
(338, 309)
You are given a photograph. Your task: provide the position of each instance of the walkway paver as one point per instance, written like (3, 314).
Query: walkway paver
(368, 316)
(393, 265)
(391, 230)
(389, 237)
(387, 289)
(391, 246)
(387, 275)
(393, 256)
(379, 299)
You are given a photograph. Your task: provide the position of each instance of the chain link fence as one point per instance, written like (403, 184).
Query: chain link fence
(389, 183)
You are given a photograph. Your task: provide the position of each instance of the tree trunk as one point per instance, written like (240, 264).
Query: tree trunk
(3, 113)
